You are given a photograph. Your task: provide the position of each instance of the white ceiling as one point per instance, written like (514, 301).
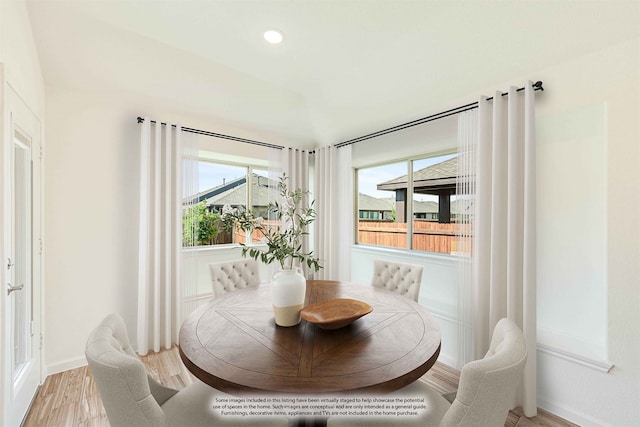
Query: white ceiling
(345, 68)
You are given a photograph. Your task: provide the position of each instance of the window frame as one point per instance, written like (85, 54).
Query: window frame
(409, 160)
(249, 167)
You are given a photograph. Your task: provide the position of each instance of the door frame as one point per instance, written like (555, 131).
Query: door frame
(12, 104)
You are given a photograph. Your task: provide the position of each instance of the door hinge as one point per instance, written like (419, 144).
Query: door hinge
(40, 244)
(41, 339)
(41, 151)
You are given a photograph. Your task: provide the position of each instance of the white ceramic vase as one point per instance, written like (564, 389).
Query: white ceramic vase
(288, 290)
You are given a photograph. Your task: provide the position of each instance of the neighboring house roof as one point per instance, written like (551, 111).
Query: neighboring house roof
(425, 207)
(462, 206)
(234, 197)
(387, 204)
(370, 203)
(234, 194)
(211, 192)
(237, 195)
(446, 169)
(441, 176)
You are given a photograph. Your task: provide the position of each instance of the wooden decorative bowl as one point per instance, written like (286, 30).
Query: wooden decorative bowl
(335, 313)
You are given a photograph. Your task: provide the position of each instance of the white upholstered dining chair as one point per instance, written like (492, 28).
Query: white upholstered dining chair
(398, 277)
(132, 398)
(232, 275)
(484, 395)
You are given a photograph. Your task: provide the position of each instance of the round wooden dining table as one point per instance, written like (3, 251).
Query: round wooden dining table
(233, 344)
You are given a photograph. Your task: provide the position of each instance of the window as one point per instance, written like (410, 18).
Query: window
(381, 213)
(223, 184)
(384, 192)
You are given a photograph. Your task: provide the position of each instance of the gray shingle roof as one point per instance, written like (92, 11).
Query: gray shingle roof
(425, 207)
(442, 170)
(237, 195)
(461, 206)
(202, 195)
(370, 203)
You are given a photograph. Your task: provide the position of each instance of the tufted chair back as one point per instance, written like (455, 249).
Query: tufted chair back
(130, 396)
(488, 386)
(232, 275)
(398, 277)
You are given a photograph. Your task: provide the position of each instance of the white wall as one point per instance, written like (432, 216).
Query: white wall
(91, 223)
(91, 184)
(430, 138)
(601, 89)
(572, 221)
(19, 55)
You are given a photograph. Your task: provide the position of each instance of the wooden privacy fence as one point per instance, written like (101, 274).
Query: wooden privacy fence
(427, 236)
(240, 236)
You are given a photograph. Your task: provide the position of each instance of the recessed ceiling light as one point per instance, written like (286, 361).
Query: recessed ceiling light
(273, 36)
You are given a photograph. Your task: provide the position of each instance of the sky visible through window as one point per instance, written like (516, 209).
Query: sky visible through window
(369, 178)
(213, 174)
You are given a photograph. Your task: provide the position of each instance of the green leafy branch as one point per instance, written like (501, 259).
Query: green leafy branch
(284, 241)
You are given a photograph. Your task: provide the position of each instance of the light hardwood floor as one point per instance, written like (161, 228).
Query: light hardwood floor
(70, 398)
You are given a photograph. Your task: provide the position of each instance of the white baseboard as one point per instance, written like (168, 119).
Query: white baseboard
(66, 365)
(570, 414)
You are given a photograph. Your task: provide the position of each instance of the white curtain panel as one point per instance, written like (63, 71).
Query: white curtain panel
(465, 202)
(190, 262)
(504, 249)
(160, 231)
(334, 204)
(295, 164)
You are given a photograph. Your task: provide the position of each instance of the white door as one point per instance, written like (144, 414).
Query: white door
(21, 295)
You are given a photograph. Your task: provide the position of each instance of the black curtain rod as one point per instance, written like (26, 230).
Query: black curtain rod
(220, 135)
(536, 86)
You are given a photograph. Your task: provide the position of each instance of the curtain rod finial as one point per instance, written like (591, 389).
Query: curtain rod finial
(140, 119)
(538, 85)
